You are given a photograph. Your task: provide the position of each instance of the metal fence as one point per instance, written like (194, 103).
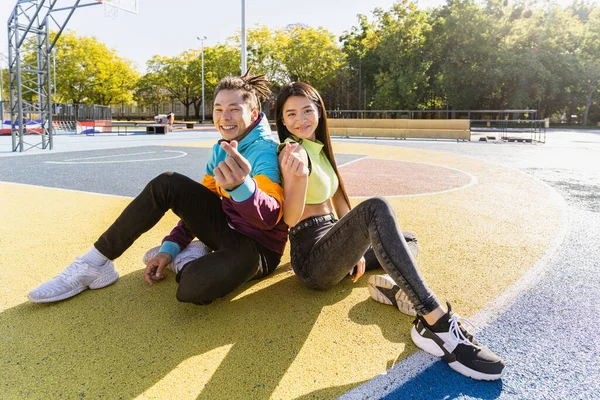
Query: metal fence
(434, 114)
(81, 112)
(63, 112)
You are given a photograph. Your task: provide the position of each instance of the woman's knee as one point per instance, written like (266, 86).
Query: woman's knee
(378, 208)
(378, 204)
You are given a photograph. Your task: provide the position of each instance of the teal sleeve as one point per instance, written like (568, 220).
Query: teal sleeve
(244, 191)
(171, 248)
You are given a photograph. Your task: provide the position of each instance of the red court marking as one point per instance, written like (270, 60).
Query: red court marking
(375, 177)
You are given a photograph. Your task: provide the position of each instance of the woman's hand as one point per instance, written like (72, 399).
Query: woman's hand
(360, 269)
(293, 166)
(291, 162)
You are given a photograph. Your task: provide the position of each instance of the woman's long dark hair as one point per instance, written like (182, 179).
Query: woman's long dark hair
(322, 132)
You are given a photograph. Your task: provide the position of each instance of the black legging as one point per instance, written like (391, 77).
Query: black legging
(324, 250)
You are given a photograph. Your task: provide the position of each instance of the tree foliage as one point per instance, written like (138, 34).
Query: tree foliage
(180, 77)
(295, 53)
(469, 54)
(89, 72)
(465, 54)
(311, 55)
(402, 78)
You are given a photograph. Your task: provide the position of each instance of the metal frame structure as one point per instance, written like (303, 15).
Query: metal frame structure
(29, 63)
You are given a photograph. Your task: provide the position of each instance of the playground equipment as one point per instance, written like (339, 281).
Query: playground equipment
(29, 53)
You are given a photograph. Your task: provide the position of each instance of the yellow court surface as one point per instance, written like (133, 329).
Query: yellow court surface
(271, 338)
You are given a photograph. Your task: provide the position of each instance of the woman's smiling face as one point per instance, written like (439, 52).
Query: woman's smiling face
(301, 117)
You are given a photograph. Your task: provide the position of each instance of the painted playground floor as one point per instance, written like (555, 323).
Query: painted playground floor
(508, 235)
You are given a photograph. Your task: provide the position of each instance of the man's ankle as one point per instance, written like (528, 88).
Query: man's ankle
(94, 258)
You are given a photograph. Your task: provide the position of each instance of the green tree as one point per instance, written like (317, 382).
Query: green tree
(180, 77)
(219, 61)
(403, 77)
(295, 53)
(363, 61)
(590, 61)
(88, 72)
(5, 92)
(150, 92)
(265, 49)
(538, 58)
(466, 52)
(311, 55)
(176, 76)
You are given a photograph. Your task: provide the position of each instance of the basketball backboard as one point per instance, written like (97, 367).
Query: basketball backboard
(112, 7)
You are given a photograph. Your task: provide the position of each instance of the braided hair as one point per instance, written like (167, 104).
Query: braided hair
(255, 89)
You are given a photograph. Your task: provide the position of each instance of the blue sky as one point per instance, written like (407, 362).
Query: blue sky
(171, 27)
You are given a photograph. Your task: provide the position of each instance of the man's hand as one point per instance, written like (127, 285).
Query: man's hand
(156, 267)
(230, 173)
(291, 162)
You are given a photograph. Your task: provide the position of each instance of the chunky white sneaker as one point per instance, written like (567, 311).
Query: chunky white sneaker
(193, 251)
(76, 278)
(449, 339)
(383, 289)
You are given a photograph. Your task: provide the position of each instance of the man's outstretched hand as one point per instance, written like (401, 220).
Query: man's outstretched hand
(156, 267)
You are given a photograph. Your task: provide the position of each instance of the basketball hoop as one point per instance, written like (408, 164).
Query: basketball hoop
(112, 7)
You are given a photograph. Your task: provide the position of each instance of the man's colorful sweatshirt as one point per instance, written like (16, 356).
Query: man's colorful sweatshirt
(255, 207)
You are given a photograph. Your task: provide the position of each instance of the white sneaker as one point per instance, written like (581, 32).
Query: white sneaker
(383, 289)
(76, 278)
(193, 251)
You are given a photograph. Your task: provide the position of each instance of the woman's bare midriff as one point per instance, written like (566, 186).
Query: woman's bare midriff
(312, 210)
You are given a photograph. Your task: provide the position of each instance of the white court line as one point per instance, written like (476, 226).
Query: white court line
(352, 162)
(66, 190)
(472, 182)
(181, 154)
(113, 155)
(408, 369)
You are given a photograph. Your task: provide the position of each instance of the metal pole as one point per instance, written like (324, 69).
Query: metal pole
(243, 36)
(40, 87)
(359, 81)
(48, 118)
(54, 65)
(202, 52)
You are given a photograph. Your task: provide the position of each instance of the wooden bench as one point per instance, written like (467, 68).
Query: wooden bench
(453, 129)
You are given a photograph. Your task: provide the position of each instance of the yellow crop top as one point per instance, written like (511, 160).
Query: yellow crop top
(322, 181)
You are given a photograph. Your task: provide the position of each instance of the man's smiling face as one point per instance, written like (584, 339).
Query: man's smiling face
(232, 115)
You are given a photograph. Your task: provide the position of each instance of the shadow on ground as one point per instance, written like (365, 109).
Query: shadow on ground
(122, 341)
